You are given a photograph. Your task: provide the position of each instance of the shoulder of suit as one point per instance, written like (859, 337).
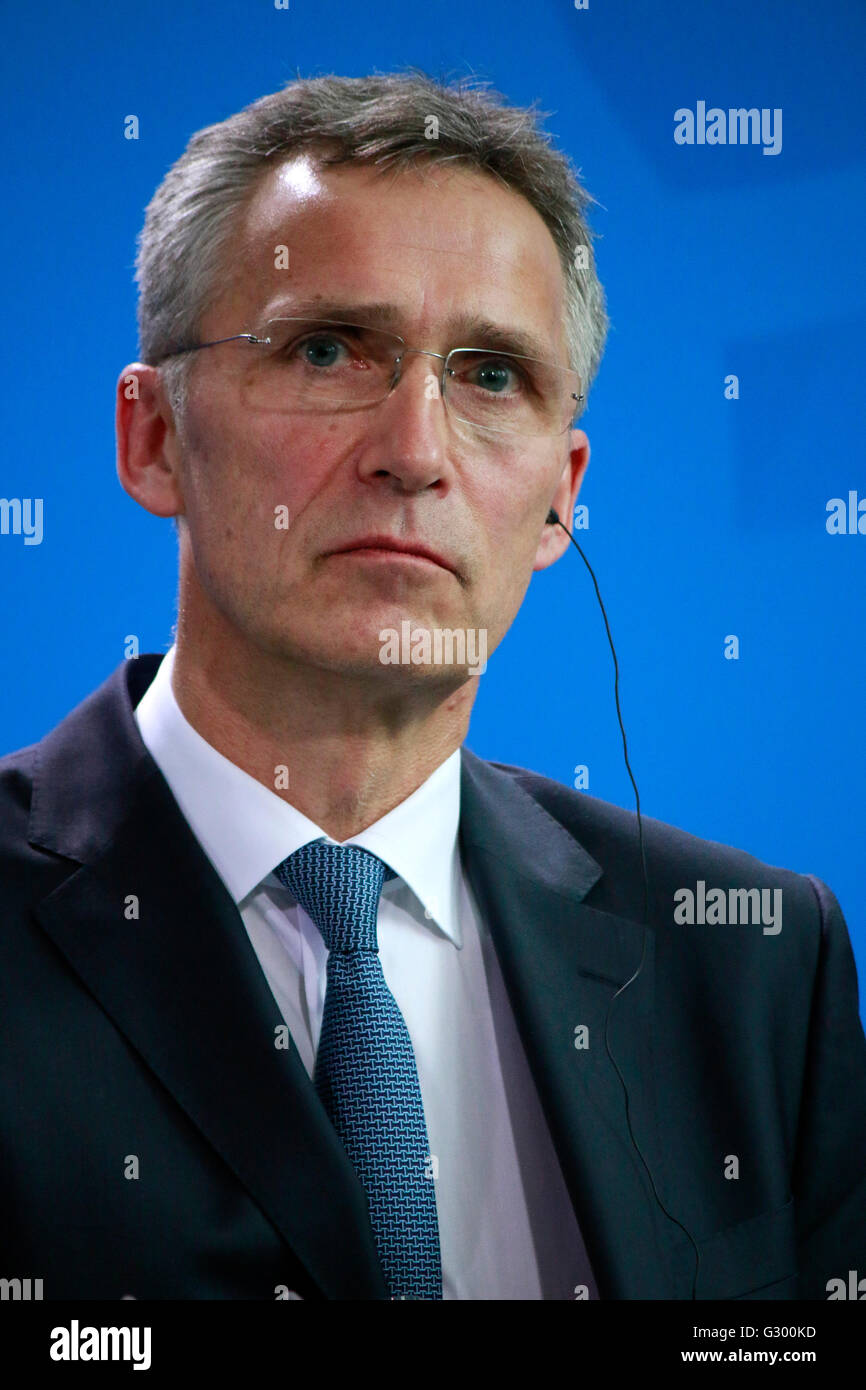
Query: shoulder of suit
(610, 834)
(20, 863)
(16, 780)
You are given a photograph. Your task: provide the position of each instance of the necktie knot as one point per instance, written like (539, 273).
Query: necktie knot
(339, 887)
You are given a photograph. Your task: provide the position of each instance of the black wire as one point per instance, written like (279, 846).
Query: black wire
(553, 517)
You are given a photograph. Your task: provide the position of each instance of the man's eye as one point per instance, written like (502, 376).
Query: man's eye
(496, 376)
(322, 350)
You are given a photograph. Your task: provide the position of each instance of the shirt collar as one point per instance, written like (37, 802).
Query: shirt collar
(246, 830)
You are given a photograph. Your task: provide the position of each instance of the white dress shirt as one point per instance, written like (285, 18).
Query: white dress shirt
(507, 1228)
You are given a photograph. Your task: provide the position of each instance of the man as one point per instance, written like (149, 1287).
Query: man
(300, 997)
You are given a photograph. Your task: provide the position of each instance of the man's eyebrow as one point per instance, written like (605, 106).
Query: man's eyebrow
(466, 330)
(479, 332)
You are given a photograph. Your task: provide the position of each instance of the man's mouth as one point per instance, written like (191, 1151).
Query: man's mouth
(390, 548)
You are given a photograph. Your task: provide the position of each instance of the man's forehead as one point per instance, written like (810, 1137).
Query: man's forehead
(348, 201)
(430, 227)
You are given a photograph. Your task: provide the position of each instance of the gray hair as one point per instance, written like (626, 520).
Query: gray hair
(381, 120)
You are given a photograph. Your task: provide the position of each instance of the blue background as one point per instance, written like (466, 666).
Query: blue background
(707, 516)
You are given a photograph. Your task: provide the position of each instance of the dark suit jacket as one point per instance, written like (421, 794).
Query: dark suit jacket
(154, 1038)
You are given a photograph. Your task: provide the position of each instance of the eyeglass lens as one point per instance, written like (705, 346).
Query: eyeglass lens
(317, 365)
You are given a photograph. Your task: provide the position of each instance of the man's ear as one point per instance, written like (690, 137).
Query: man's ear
(553, 539)
(148, 453)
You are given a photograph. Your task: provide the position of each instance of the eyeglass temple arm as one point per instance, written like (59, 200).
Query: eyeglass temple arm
(215, 342)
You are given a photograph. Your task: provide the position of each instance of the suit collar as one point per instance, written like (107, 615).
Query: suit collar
(417, 839)
(86, 767)
(100, 801)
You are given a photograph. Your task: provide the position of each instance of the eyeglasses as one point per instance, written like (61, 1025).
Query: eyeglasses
(321, 365)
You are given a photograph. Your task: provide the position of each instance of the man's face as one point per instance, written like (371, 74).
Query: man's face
(442, 246)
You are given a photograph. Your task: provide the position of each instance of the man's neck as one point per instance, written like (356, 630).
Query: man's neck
(339, 748)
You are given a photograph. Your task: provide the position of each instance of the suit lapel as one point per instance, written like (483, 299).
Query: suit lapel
(182, 983)
(562, 962)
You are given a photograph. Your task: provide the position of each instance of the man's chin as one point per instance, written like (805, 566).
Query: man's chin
(370, 667)
(380, 663)
(385, 646)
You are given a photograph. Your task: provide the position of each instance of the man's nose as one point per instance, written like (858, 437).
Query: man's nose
(407, 433)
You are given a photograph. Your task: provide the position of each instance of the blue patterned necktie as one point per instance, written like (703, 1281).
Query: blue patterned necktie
(365, 1072)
